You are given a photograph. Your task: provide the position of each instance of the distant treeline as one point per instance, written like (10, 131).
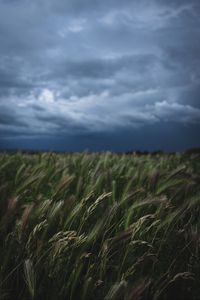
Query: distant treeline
(136, 152)
(157, 152)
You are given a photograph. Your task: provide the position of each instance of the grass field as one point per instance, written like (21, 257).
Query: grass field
(99, 226)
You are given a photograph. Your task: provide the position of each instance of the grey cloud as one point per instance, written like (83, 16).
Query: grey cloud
(191, 95)
(9, 119)
(103, 68)
(99, 113)
(176, 112)
(82, 66)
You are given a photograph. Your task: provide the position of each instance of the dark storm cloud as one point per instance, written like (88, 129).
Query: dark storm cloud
(103, 68)
(91, 67)
(8, 118)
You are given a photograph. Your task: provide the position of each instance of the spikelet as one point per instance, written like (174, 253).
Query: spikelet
(30, 277)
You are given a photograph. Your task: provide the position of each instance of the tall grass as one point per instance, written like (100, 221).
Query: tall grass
(99, 226)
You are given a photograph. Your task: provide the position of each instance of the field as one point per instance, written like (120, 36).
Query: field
(99, 226)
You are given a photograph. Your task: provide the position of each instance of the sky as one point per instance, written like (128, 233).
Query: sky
(96, 75)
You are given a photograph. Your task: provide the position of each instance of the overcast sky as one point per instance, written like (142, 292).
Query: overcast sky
(100, 75)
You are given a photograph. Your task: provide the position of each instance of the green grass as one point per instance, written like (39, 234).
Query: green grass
(99, 226)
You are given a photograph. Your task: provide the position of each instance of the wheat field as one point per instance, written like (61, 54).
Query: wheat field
(99, 226)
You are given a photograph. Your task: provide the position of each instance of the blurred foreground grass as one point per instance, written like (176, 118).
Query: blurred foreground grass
(99, 226)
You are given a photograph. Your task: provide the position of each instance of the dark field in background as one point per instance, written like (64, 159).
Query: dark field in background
(99, 226)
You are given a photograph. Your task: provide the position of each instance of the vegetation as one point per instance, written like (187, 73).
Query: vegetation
(99, 226)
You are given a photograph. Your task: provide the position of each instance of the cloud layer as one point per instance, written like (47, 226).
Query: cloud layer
(90, 67)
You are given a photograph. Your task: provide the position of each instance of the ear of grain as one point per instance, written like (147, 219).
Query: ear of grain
(30, 277)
